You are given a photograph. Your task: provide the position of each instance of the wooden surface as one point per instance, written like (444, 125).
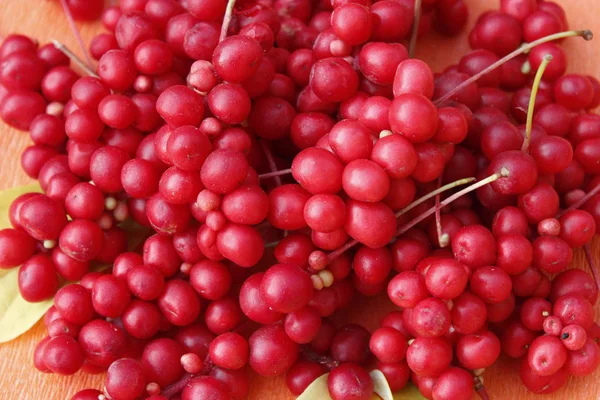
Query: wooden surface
(44, 20)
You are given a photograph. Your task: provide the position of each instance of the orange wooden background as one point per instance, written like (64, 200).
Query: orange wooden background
(44, 20)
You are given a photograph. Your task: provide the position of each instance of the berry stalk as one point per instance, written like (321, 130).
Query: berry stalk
(530, 109)
(73, 57)
(271, 161)
(275, 174)
(449, 200)
(593, 266)
(415, 29)
(442, 238)
(436, 192)
(480, 389)
(333, 255)
(226, 19)
(177, 387)
(585, 34)
(71, 21)
(580, 202)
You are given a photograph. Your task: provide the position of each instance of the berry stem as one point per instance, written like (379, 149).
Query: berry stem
(415, 29)
(270, 161)
(75, 30)
(480, 389)
(227, 20)
(177, 387)
(534, 90)
(275, 174)
(593, 267)
(449, 200)
(586, 34)
(429, 195)
(335, 254)
(73, 57)
(271, 244)
(581, 201)
(442, 237)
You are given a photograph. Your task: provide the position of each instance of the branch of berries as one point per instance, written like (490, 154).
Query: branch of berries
(229, 128)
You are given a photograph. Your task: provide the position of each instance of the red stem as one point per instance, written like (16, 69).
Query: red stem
(275, 174)
(415, 29)
(593, 267)
(585, 34)
(177, 387)
(429, 195)
(270, 161)
(581, 201)
(335, 254)
(480, 389)
(444, 203)
(75, 30)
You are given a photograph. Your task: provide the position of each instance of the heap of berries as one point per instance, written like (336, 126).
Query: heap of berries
(286, 157)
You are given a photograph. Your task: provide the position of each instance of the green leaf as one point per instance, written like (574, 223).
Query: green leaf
(318, 390)
(382, 389)
(410, 392)
(7, 197)
(381, 386)
(17, 316)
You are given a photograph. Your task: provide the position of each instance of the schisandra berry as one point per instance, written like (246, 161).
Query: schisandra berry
(320, 136)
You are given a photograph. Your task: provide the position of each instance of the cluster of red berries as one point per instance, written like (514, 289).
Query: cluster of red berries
(304, 126)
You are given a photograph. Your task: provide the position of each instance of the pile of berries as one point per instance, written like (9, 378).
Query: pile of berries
(287, 157)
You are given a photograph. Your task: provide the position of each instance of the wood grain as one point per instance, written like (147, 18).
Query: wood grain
(44, 20)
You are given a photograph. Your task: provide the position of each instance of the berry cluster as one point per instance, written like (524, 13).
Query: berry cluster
(303, 132)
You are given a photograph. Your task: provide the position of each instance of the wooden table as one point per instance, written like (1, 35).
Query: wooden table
(43, 19)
